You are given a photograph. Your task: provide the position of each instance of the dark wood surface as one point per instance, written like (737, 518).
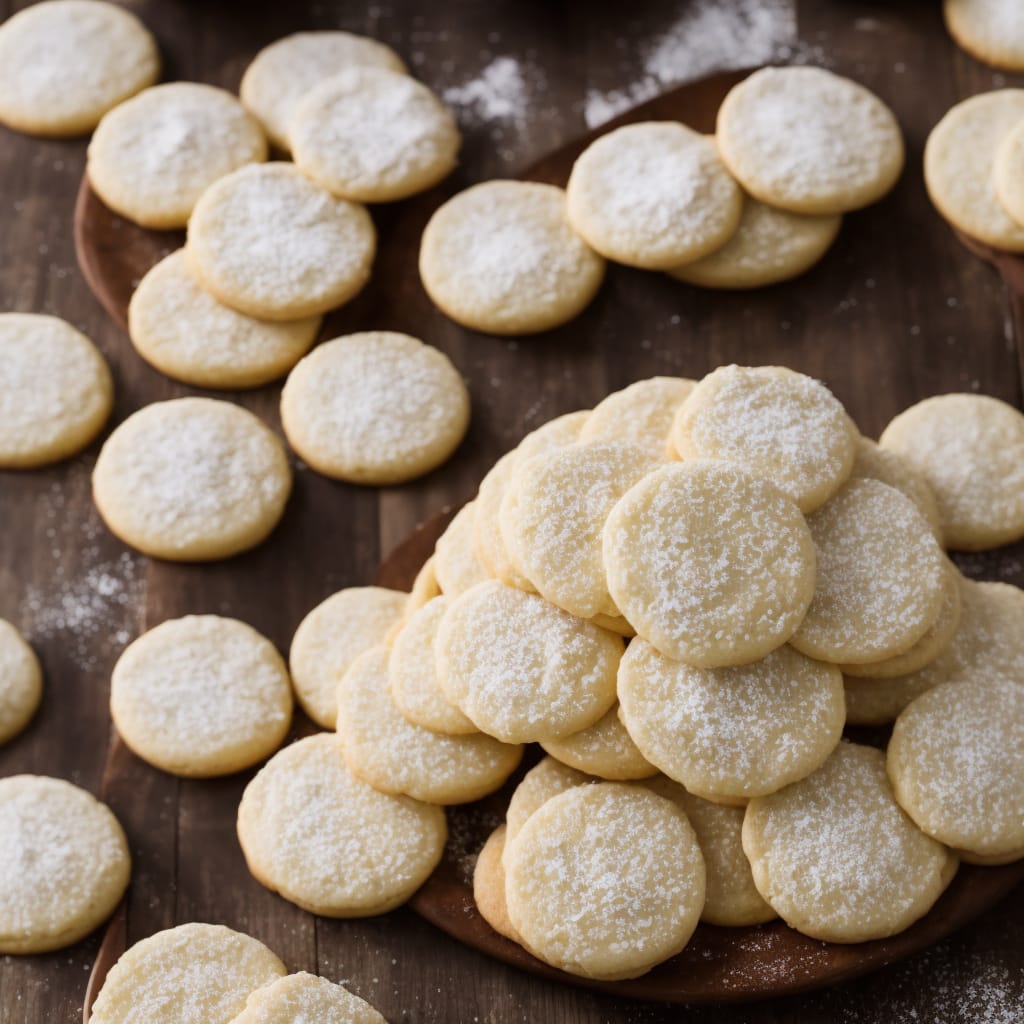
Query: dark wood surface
(897, 311)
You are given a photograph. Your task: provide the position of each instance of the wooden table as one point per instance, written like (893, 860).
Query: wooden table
(898, 311)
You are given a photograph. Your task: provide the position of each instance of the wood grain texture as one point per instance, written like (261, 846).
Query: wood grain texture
(897, 311)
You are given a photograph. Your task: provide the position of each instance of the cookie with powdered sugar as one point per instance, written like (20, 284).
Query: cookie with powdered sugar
(489, 885)
(424, 587)
(456, 563)
(604, 749)
(21, 682)
(544, 780)
(302, 997)
(991, 30)
(641, 413)
(488, 540)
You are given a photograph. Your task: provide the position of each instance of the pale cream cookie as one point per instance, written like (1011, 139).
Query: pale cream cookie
(456, 563)
(553, 514)
(201, 696)
(807, 140)
(317, 834)
(991, 30)
(64, 864)
(522, 669)
(304, 997)
(184, 975)
(192, 479)
(488, 540)
(332, 636)
(770, 245)
(502, 258)
(55, 390)
(836, 856)
(65, 63)
(959, 160)
(1009, 167)
(970, 450)
(562, 430)
(653, 195)
(373, 135)
(286, 70)
(21, 682)
(772, 421)
(730, 734)
(377, 407)
(179, 328)
(270, 243)
(881, 578)
(642, 413)
(544, 780)
(711, 564)
(489, 885)
(152, 157)
(605, 881)
(395, 756)
(604, 749)
(424, 588)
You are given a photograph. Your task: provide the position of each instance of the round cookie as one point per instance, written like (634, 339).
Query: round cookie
(195, 972)
(730, 734)
(991, 30)
(544, 780)
(373, 135)
(21, 682)
(522, 669)
(489, 885)
(836, 856)
(395, 756)
(328, 842)
(562, 430)
(412, 669)
(270, 243)
(712, 565)
(769, 246)
(553, 514)
(55, 390)
(502, 258)
(970, 450)
(286, 70)
(192, 479)
(179, 328)
(1008, 170)
(881, 577)
(775, 422)
(959, 159)
(152, 157)
(332, 636)
(424, 588)
(456, 563)
(956, 763)
(605, 881)
(605, 750)
(65, 63)
(653, 195)
(488, 540)
(376, 408)
(64, 864)
(809, 141)
(201, 696)
(641, 414)
(305, 997)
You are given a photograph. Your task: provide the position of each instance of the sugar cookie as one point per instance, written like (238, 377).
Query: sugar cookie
(775, 422)
(732, 733)
(770, 245)
(65, 63)
(64, 864)
(21, 682)
(991, 30)
(1009, 167)
(179, 328)
(327, 841)
(55, 390)
(376, 407)
(456, 563)
(970, 449)
(286, 70)
(487, 536)
(191, 480)
(959, 159)
(152, 157)
(605, 881)
(424, 588)
(270, 243)
(712, 565)
(564, 429)
(395, 756)
(412, 669)
(837, 858)
(604, 749)
(195, 972)
(522, 669)
(331, 637)
(554, 511)
(373, 135)
(542, 782)
(642, 413)
(881, 577)
(653, 195)
(807, 140)
(489, 885)
(305, 997)
(501, 257)
(201, 696)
